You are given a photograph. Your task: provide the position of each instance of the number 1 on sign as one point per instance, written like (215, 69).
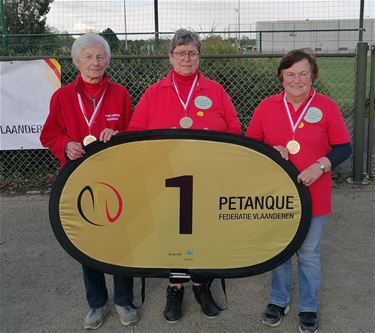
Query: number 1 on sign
(185, 183)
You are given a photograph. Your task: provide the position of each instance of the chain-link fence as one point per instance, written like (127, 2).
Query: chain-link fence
(247, 80)
(271, 37)
(144, 27)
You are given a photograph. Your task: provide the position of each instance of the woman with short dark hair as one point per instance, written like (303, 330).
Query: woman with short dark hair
(308, 129)
(185, 99)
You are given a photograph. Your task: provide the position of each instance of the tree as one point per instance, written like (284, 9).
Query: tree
(217, 45)
(111, 38)
(25, 16)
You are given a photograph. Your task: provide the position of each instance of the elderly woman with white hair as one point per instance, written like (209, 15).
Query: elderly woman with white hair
(91, 108)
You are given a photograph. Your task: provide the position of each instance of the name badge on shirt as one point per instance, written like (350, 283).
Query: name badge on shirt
(313, 115)
(202, 102)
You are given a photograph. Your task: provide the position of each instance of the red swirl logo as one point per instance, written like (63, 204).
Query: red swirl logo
(100, 204)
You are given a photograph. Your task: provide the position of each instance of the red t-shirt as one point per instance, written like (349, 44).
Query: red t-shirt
(210, 107)
(321, 127)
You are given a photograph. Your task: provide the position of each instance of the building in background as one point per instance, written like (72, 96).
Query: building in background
(341, 36)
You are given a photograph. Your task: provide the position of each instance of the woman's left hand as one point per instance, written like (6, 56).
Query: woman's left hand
(283, 152)
(310, 174)
(106, 134)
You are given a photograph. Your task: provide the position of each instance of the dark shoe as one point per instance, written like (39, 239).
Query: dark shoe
(308, 322)
(204, 298)
(172, 311)
(274, 315)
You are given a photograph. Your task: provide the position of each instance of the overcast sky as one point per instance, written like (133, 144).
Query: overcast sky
(77, 16)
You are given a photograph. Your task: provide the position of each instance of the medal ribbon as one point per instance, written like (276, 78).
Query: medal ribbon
(185, 105)
(294, 125)
(96, 109)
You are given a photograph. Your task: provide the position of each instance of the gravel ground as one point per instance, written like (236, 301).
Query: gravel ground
(42, 288)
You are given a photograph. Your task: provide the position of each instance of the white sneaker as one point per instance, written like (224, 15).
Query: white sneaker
(128, 315)
(94, 319)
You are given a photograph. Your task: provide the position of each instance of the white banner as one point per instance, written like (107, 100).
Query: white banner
(25, 90)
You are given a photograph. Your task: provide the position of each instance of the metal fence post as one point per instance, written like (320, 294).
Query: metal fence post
(3, 28)
(361, 12)
(359, 112)
(371, 110)
(156, 18)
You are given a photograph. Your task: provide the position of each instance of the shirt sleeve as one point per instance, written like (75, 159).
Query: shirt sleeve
(339, 153)
(139, 119)
(230, 115)
(127, 111)
(53, 134)
(337, 131)
(255, 128)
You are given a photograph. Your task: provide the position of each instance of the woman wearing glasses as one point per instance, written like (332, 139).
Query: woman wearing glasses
(185, 99)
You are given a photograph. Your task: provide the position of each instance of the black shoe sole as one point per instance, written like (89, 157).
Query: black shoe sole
(210, 317)
(171, 321)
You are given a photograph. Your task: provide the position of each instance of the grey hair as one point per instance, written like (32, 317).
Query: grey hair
(87, 40)
(183, 37)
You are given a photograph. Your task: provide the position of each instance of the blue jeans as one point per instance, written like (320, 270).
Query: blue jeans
(308, 269)
(96, 290)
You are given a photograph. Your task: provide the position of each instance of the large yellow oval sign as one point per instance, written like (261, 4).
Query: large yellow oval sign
(146, 203)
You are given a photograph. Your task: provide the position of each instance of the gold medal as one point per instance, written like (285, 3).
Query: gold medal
(186, 122)
(293, 147)
(88, 139)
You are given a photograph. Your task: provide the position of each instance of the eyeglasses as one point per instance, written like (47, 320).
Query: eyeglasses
(193, 55)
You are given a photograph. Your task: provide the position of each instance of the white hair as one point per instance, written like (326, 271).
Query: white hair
(88, 40)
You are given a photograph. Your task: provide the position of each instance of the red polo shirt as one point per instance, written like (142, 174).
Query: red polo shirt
(210, 107)
(321, 127)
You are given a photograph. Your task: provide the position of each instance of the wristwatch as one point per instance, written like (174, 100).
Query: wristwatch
(321, 166)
